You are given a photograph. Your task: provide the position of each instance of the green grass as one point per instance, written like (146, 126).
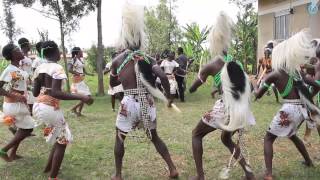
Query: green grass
(90, 157)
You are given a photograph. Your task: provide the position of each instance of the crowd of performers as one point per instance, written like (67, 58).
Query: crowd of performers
(37, 87)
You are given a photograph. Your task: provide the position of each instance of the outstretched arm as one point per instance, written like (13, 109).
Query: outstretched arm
(206, 71)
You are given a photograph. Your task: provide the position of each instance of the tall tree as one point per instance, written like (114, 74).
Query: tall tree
(8, 24)
(100, 51)
(162, 29)
(244, 47)
(66, 12)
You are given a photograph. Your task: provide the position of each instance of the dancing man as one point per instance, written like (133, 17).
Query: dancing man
(137, 71)
(297, 101)
(77, 68)
(13, 85)
(49, 78)
(233, 107)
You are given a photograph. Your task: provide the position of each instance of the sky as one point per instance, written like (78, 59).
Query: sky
(30, 21)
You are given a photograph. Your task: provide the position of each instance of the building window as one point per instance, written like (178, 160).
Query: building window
(281, 26)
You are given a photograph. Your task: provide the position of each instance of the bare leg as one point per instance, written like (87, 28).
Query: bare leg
(275, 91)
(20, 135)
(118, 154)
(74, 108)
(113, 102)
(57, 159)
(302, 149)
(163, 151)
(49, 163)
(268, 154)
(307, 135)
(198, 133)
(226, 138)
(80, 108)
(13, 153)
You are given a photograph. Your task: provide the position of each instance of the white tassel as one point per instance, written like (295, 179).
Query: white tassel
(239, 110)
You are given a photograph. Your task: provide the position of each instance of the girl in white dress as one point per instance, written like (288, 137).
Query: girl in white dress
(48, 82)
(13, 85)
(78, 86)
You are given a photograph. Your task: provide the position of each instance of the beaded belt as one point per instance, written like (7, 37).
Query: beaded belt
(128, 92)
(292, 101)
(49, 100)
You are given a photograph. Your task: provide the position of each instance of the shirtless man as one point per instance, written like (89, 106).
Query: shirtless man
(131, 68)
(293, 111)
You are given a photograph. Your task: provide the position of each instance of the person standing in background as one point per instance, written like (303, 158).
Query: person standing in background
(180, 75)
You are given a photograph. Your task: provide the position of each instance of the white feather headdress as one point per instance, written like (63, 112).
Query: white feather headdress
(220, 35)
(132, 34)
(291, 53)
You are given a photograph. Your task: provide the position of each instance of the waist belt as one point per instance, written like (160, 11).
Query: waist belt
(49, 100)
(12, 100)
(77, 78)
(292, 101)
(128, 92)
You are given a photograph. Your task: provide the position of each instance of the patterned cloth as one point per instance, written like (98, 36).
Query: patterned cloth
(288, 119)
(219, 115)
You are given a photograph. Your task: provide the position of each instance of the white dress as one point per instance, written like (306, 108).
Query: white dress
(78, 85)
(56, 126)
(26, 65)
(37, 62)
(168, 67)
(16, 79)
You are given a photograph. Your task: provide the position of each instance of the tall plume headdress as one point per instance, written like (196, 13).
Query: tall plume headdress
(235, 82)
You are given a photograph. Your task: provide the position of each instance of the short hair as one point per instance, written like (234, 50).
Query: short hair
(314, 43)
(318, 51)
(75, 51)
(7, 51)
(23, 42)
(38, 47)
(180, 50)
(49, 48)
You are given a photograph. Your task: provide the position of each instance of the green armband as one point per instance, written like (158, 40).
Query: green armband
(266, 85)
(318, 82)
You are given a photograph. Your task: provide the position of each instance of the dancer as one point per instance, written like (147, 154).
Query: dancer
(170, 66)
(13, 84)
(48, 83)
(39, 59)
(135, 71)
(312, 69)
(115, 92)
(181, 73)
(26, 65)
(266, 68)
(76, 67)
(234, 84)
(286, 59)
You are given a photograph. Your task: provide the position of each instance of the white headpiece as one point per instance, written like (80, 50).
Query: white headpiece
(132, 34)
(293, 52)
(220, 35)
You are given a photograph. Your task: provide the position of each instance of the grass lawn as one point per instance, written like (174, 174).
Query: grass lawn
(90, 157)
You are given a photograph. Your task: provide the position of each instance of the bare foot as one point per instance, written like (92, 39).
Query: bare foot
(308, 164)
(196, 178)
(250, 176)
(15, 157)
(114, 177)
(5, 157)
(174, 174)
(268, 177)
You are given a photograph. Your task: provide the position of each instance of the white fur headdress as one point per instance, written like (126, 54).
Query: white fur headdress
(132, 34)
(291, 53)
(220, 35)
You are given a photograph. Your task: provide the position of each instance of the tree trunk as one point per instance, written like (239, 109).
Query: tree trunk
(100, 52)
(63, 46)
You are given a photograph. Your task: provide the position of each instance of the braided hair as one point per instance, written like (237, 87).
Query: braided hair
(49, 48)
(75, 51)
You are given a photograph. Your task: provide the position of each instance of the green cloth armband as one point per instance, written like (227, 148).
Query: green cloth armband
(318, 82)
(2, 153)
